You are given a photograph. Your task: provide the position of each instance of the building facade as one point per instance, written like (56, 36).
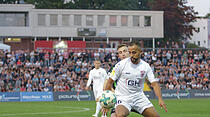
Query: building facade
(21, 25)
(202, 37)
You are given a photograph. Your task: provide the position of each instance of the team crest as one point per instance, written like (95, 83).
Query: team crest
(142, 73)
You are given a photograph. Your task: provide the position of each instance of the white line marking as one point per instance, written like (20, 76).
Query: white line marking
(46, 113)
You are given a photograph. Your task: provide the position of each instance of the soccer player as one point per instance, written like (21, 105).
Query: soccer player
(131, 73)
(98, 76)
(122, 52)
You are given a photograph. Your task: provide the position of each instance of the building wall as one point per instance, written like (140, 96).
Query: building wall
(202, 36)
(59, 30)
(60, 23)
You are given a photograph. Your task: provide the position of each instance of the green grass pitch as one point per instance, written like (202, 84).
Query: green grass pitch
(176, 108)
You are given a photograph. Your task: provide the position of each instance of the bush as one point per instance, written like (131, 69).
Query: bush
(191, 45)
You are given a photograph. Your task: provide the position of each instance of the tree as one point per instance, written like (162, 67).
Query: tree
(9, 1)
(91, 4)
(143, 4)
(207, 15)
(178, 18)
(47, 4)
(106, 4)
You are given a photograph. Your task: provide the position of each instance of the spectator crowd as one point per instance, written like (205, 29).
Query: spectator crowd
(67, 70)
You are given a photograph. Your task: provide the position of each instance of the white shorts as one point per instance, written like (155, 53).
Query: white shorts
(138, 102)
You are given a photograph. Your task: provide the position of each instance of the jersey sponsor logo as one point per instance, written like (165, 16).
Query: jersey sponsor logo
(134, 83)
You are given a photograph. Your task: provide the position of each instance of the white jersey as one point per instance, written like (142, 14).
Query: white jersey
(130, 77)
(98, 77)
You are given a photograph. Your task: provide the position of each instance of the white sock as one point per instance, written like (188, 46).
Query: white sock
(98, 107)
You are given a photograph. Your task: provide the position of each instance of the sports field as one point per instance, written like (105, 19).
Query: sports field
(176, 108)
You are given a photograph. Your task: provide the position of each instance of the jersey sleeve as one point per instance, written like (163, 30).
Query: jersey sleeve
(104, 74)
(150, 74)
(114, 75)
(90, 78)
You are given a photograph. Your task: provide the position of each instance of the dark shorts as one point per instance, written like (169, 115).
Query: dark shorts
(132, 110)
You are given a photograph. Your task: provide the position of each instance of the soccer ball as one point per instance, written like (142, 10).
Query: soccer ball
(107, 99)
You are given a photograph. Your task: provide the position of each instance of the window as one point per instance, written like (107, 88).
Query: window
(198, 29)
(53, 19)
(1, 40)
(65, 20)
(77, 20)
(199, 43)
(14, 19)
(89, 20)
(101, 20)
(41, 20)
(135, 20)
(147, 21)
(124, 20)
(100, 40)
(113, 20)
(88, 39)
(125, 40)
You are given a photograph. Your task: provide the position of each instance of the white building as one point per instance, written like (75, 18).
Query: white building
(202, 38)
(22, 24)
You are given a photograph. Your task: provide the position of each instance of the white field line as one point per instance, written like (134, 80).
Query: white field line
(46, 113)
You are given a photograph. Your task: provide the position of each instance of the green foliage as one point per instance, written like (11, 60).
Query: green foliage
(47, 4)
(191, 45)
(8, 1)
(91, 4)
(207, 15)
(178, 18)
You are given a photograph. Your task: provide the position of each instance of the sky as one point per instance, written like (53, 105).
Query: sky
(201, 6)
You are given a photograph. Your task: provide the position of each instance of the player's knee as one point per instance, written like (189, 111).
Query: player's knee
(122, 114)
(113, 115)
(156, 115)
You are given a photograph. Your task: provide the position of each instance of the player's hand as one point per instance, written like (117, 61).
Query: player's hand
(86, 88)
(162, 105)
(104, 110)
(97, 99)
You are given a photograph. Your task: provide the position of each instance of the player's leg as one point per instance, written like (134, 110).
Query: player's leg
(143, 106)
(121, 111)
(133, 110)
(150, 112)
(98, 106)
(113, 114)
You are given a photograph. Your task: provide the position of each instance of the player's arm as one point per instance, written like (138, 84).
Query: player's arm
(156, 87)
(89, 81)
(105, 79)
(157, 90)
(105, 83)
(109, 83)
